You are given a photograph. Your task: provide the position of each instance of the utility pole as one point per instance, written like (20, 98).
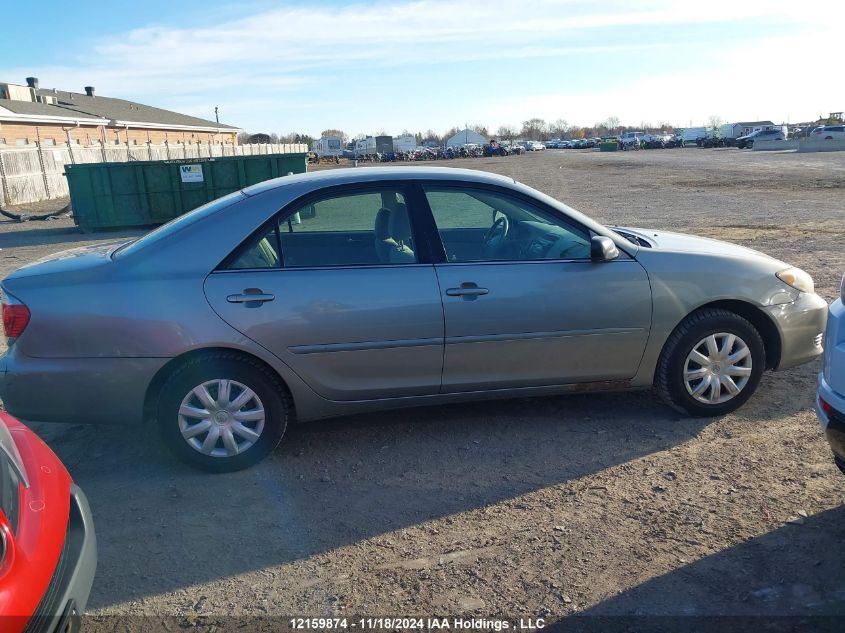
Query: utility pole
(216, 118)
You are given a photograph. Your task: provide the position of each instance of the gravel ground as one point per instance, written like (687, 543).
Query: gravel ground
(603, 505)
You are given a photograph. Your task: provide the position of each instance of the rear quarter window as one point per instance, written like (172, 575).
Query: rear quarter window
(179, 223)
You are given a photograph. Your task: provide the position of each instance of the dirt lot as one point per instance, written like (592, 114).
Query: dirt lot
(605, 505)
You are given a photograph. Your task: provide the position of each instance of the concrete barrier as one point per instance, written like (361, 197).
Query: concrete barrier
(821, 145)
(802, 145)
(773, 146)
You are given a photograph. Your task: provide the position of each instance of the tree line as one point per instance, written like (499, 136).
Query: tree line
(535, 129)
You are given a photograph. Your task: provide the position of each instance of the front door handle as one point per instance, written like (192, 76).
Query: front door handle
(468, 291)
(251, 297)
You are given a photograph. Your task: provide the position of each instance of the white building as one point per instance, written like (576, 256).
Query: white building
(405, 143)
(466, 137)
(744, 128)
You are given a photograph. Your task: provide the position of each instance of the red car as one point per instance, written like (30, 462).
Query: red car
(48, 551)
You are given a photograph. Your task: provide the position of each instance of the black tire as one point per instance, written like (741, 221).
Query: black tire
(273, 394)
(750, 145)
(668, 380)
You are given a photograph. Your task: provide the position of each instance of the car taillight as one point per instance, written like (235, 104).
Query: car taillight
(15, 319)
(825, 406)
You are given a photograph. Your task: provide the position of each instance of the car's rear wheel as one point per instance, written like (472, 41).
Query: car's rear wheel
(222, 412)
(711, 364)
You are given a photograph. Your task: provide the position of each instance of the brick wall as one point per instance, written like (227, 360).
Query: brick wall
(85, 135)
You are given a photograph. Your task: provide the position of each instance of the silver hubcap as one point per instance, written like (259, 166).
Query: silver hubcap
(221, 418)
(717, 368)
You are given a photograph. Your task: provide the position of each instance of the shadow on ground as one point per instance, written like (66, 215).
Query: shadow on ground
(790, 579)
(162, 526)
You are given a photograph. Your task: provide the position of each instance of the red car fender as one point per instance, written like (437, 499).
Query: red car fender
(33, 553)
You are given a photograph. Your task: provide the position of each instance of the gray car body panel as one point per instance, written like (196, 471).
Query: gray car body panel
(99, 315)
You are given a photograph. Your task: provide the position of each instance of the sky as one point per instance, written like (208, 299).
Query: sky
(371, 66)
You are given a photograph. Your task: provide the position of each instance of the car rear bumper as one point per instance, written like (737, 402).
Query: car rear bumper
(76, 390)
(801, 326)
(833, 371)
(832, 423)
(67, 595)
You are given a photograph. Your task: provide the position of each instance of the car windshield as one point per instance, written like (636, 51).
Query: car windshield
(177, 224)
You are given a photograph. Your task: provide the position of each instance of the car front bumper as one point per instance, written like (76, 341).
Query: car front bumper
(801, 325)
(65, 599)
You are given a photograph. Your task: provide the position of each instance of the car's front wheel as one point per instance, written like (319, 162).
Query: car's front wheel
(222, 412)
(711, 364)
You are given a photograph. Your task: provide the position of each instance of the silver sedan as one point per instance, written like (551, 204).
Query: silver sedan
(348, 291)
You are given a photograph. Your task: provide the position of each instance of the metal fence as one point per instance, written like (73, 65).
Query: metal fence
(36, 172)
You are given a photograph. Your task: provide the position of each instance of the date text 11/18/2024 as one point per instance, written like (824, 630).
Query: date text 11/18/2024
(416, 624)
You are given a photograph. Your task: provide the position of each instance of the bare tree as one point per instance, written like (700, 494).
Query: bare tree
(534, 128)
(481, 129)
(450, 133)
(296, 137)
(431, 135)
(559, 127)
(334, 132)
(612, 124)
(715, 121)
(506, 132)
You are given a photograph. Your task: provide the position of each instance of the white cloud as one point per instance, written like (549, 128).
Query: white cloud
(247, 65)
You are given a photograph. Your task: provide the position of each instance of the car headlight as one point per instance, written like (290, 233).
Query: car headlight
(798, 279)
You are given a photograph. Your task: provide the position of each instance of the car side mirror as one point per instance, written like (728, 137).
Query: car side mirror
(603, 249)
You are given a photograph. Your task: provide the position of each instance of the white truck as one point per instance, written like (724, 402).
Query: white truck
(328, 146)
(365, 147)
(690, 135)
(631, 138)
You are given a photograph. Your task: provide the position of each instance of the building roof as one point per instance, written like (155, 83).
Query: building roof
(122, 110)
(466, 136)
(753, 123)
(34, 108)
(76, 105)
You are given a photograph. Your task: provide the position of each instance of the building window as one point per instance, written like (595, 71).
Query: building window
(48, 141)
(21, 142)
(2, 141)
(95, 142)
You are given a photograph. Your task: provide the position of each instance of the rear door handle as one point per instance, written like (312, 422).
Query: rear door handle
(252, 296)
(468, 291)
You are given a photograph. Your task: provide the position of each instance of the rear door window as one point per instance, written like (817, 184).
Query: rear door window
(360, 228)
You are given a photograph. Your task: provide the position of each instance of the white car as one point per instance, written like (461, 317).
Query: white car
(828, 132)
(534, 146)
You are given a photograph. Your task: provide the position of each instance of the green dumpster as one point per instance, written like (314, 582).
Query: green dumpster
(144, 193)
(608, 146)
